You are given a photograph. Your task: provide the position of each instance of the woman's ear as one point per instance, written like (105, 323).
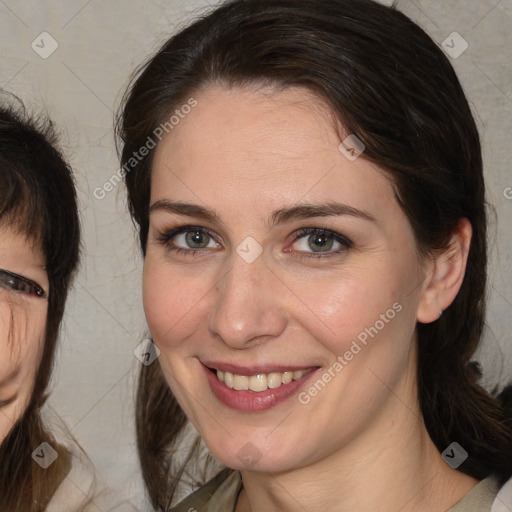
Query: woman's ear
(445, 275)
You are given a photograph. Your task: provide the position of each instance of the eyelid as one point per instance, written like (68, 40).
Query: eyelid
(168, 234)
(30, 287)
(301, 233)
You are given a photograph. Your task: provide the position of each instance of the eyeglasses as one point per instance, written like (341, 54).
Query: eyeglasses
(21, 284)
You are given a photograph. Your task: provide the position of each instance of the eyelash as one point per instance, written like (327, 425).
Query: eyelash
(20, 284)
(166, 237)
(337, 237)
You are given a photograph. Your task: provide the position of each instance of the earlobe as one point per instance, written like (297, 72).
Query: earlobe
(446, 274)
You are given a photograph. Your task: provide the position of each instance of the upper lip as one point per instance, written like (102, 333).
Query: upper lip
(253, 369)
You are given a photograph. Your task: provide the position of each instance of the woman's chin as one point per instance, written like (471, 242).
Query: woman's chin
(256, 455)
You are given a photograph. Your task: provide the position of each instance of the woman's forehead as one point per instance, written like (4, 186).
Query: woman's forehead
(22, 220)
(19, 248)
(264, 150)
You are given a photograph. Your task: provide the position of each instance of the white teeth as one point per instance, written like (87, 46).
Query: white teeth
(259, 382)
(287, 377)
(228, 379)
(240, 382)
(274, 380)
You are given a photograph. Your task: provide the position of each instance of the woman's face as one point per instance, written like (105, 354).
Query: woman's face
(23, 308)
(281, 281)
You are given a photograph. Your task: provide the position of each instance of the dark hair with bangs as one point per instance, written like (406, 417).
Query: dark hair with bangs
(38, 200)
(388, 83)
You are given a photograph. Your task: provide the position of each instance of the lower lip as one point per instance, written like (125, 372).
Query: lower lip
(251, 401)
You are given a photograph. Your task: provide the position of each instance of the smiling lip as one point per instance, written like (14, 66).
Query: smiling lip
(254, 401)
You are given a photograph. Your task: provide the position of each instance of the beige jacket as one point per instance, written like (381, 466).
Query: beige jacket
(221, 493)
(80, 490)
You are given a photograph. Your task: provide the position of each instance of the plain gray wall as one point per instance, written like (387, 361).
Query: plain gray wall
(99, 45)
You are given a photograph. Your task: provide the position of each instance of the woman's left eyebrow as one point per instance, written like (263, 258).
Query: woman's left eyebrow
(280, 216)
(311, 210)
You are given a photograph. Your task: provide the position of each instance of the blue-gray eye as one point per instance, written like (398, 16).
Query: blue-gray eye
(320, 242)
(197, 239)
(20, 284)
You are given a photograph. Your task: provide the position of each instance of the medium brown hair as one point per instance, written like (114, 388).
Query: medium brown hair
(37, 199)
(388, 83)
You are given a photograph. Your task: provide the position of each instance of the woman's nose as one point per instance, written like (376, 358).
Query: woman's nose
(246, 307)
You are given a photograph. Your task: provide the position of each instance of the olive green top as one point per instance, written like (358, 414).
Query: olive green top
(220, 494)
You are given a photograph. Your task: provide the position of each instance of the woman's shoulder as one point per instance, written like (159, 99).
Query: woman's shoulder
(503, 501)
(220, 493)
(486, 496)
(78, 490)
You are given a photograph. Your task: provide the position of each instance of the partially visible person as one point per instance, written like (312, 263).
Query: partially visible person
(313, 225)
(39, 254)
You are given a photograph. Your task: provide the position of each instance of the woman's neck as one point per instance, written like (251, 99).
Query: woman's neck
(392, 466)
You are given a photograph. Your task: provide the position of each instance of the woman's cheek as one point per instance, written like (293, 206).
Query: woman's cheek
(343, 308)
(159, 307)
(171, 302)
(9, 415)
(20, 348)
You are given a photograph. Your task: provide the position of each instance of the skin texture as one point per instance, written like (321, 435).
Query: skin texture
(22, 326)
(244, 154)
